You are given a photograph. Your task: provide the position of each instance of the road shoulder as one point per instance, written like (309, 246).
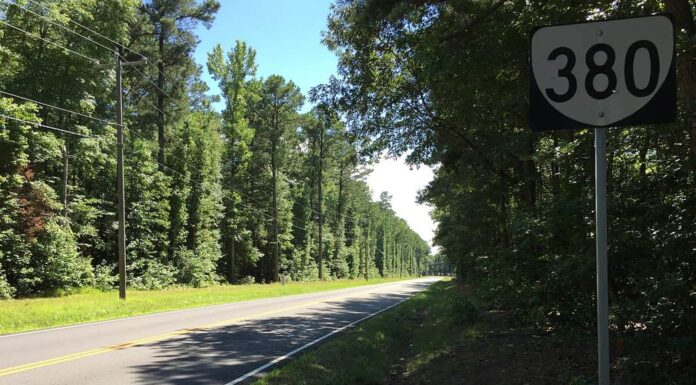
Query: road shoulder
(441, 336)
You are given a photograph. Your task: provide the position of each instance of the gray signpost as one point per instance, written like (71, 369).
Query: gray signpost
(602, 74)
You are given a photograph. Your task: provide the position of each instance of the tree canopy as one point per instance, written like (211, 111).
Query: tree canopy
(257, 192)
(447, 82)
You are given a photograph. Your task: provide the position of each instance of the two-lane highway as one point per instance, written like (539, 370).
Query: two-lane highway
(221, 344)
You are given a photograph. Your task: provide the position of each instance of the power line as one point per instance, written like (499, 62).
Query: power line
(93, 31)
(50, 127)
(59, 25)
(60, 109)
(93, 60)
(153, 83)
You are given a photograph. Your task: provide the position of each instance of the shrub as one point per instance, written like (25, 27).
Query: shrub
(150, 274)
(196, 270)
(57, 261)
(248, 280)
(104, 280)
(6, 291)
(464, 310)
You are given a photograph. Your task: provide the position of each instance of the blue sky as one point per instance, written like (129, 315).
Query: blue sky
(286, 35)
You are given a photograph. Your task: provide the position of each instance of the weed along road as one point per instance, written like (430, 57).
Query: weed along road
(222, 344)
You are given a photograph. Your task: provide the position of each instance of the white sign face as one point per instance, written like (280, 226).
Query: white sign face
(600, 73)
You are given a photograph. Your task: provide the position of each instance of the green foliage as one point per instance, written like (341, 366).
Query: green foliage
(465, 310)
(6, 291)
(90, 305)
(248, 280)
(150, 274)
(57, 265)
(104, 277)
(258, 190)
(446, 82)
(382, 349)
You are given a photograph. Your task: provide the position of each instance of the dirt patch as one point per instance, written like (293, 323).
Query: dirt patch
(502, 354)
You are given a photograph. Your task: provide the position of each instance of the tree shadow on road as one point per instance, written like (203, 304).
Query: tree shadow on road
(220, 355)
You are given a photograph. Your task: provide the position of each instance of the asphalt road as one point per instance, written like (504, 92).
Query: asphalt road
(222, 344)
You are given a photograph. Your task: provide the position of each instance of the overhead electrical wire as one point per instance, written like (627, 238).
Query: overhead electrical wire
(50, 127)
(93, 60)
(60, 109)
(132, 131)
(56, 129)
(149, 80)
(92, 31)
(59, 25)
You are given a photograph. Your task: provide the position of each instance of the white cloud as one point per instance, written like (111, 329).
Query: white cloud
(403, 183)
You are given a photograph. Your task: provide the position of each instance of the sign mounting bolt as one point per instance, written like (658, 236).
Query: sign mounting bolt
(601, 114)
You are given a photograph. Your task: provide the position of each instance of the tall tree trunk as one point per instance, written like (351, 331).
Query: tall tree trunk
(231, 234)
(418, 261)
(230, 251)
(555, 170)
(366, 248)
(504, 214)
(686, 32)
(643, 153)
(256, 238)
(274, 170)
(66, 171)
(401, 262)
(385, 249)
(319, 207)
(410, 261)
(160, 103)
(339, 221)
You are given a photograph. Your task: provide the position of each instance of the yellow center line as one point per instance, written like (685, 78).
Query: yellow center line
(160, 337)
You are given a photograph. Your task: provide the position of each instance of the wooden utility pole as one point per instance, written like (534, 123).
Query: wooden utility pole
(120, 182)
(274, 172)
(120, 185)
(320, 197)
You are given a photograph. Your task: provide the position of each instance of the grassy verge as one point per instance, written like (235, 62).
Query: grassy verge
(440, 337)
(94, 305)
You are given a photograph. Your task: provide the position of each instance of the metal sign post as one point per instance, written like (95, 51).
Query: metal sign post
(598, 74)
(602, 266)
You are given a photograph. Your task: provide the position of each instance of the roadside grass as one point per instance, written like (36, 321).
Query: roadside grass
(378, 350)
(441, 337)
(95, 305)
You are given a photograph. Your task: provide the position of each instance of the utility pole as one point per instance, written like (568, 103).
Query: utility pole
(119, 182)
(120, 188)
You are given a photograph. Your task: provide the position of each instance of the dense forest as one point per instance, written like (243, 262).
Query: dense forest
(263, 192)
(259, 192)
(448, 81)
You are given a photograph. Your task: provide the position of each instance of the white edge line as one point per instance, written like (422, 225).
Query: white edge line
(301, 348)
(2, 336)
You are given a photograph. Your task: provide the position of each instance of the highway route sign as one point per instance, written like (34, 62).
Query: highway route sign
(603, 73)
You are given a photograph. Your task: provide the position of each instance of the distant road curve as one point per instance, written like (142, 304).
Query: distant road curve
(222, 344)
